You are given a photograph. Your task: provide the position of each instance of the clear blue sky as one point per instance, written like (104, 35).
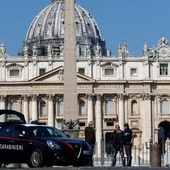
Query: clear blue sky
(132, 21)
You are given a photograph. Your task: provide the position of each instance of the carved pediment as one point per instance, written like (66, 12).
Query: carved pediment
(14, 65)
(108, 65)
(163, 51)
(57, 75)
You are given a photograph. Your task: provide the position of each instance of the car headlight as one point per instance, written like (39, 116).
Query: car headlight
(53, 145)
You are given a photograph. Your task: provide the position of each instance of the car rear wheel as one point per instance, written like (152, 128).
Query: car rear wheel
(36, 159)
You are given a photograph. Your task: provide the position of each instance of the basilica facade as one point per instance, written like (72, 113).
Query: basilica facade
(111, 89)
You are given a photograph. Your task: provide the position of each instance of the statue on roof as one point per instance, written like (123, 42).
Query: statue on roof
(145, 49)
(163, 41)
(123, 50)
(2, 48)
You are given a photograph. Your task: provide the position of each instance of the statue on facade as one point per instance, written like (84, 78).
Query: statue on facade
(49, 50)
(70, 125)
(88, 50)
(34, 50)
(145, 49)
(98, 50)
(61, 75)
(26, 50)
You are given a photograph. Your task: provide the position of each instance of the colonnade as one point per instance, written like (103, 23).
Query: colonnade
(94, 104)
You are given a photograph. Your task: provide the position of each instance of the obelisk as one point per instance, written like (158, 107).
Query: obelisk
(70, 75)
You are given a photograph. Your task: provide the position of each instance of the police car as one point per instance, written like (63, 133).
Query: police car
(38, 145)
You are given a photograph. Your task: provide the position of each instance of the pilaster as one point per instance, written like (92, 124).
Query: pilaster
(50, 98)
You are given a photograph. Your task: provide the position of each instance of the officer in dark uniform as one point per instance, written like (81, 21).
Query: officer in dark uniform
(128, 143)
(116, 140)
(90, 139)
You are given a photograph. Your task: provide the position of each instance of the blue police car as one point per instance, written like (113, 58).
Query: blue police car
(38, 145)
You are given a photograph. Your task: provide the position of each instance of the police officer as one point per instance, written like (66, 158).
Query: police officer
(116, 140)
(128, 143)
(90, 139)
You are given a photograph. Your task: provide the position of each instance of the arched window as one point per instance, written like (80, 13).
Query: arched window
(134, 107)
(42, 108)
(164, 107)
(109, 110)
(81, 107)
(15, 106)
(61, 107)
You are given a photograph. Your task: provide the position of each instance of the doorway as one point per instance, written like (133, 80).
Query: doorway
(163, 134)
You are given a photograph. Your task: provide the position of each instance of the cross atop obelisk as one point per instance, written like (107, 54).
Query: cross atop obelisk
(70, 75)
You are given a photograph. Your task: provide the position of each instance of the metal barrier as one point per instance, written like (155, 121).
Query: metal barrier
(141, 155)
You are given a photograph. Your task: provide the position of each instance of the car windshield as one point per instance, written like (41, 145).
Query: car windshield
(45, 131)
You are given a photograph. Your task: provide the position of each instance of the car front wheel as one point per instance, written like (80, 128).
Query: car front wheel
(36, 159)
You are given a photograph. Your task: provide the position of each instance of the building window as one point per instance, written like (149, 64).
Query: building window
(42, 108)
(110, 124)
(164, 107)
(81, 71)
(81, 108)
(14, 73)
(134, 107)
(15, 106)
(82, 124)
(109, 72)
(61, 107)
(163, 69)
(41, 71)
(133, 71)
(109, 110)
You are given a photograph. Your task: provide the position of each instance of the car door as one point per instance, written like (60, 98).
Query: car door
(19, 145)
(5, 140)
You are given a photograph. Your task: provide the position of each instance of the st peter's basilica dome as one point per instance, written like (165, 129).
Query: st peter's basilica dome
(48, 28)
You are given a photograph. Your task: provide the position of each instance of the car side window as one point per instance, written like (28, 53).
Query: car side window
(6, 131)
(18, 131)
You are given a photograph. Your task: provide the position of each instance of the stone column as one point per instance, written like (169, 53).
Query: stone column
(90, 108)
(146, 125)
(126, 110)
(26, 106)
(2, 106)
(98, 124)
(2, 99)
(34, 107)
(57, 116)
(50, 110)
(121, 111)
